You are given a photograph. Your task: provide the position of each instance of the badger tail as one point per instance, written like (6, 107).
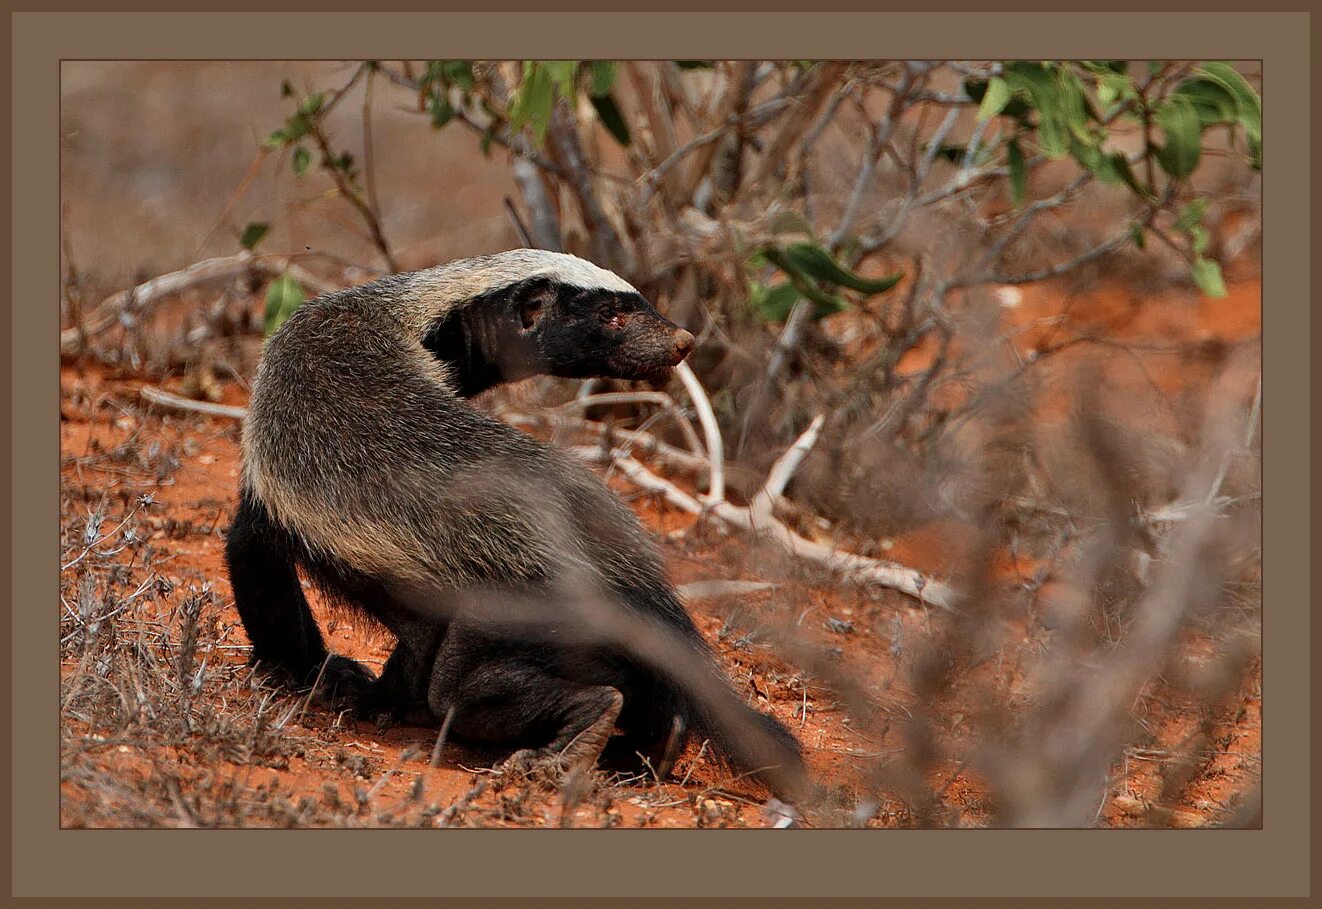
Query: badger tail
(694, 691)
(747, 741)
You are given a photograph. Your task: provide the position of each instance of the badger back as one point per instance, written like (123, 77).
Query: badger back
(357, 442)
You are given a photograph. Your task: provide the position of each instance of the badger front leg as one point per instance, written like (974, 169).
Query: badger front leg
(401, 689)
(275, 614)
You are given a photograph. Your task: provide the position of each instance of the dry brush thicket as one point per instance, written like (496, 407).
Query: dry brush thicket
(813, 441)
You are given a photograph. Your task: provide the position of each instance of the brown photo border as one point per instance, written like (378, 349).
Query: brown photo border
(45, 860)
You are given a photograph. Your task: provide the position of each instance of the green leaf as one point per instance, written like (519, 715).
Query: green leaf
(1015, 107)
(442, 111)
(1059, 98)
(1191, 214)
(283, 297)
(774, 303)
(253, 233)
(1184, 136)
(488, 136)
(311, 104)
(828, 307)
(1107, 93)
(611, 118)
(1033, 79)
(1122, 169)
(1106, 67)
(302, 158)
(1074, 108)
(1199, 238)
(994, 99)
(804, 284)
(1136, 234)
(601, 77)
(533, 101)
(1114, 87)
(1212, 100)
(1247, 102)
(1207, 275)
(1018, 172)
(810, 261)
(277, 139)
(1090, 156)
(1051, 137)
(562, 73)
(459, 73)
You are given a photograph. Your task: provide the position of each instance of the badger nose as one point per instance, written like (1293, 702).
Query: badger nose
(683, 344)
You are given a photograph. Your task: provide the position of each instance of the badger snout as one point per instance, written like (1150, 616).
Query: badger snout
(683, 345)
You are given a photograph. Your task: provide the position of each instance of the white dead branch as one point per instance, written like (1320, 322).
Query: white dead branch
(178, 402)
(710, 429)
(660, 398)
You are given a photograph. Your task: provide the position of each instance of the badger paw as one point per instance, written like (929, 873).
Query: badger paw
(341, 683)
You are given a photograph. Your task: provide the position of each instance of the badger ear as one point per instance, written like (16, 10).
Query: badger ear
(531, 299)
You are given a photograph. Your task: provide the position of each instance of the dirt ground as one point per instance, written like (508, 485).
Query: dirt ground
(164, 723)
(331, 770)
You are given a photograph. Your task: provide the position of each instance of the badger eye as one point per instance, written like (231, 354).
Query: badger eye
(617, 321)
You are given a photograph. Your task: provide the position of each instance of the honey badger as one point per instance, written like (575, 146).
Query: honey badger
(364, 465)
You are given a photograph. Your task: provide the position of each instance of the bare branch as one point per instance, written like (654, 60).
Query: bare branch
(856, 568)
(640, 397)
(1053, 271)
(729, 106)
(821, 85)
(751, 119)
(607, 247)
(881, 134)
(545, 229)
(785, 467)
(150, 292)
(710, 428)
(167, 399)
(637, 439)
(350, 191)
(646, 81)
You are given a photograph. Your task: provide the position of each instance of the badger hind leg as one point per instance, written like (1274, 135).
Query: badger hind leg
(589, 722)
(499, 700)
(269, 598)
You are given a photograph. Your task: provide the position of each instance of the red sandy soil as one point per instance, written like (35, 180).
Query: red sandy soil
(101, 410)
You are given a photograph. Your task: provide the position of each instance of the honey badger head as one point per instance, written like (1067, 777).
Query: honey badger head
(531, 312)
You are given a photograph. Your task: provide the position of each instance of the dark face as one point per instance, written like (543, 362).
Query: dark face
(597, 333)
(539, 327)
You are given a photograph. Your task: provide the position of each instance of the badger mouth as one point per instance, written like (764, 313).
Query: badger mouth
(653, 359)
(661, 370)
(659, 375)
